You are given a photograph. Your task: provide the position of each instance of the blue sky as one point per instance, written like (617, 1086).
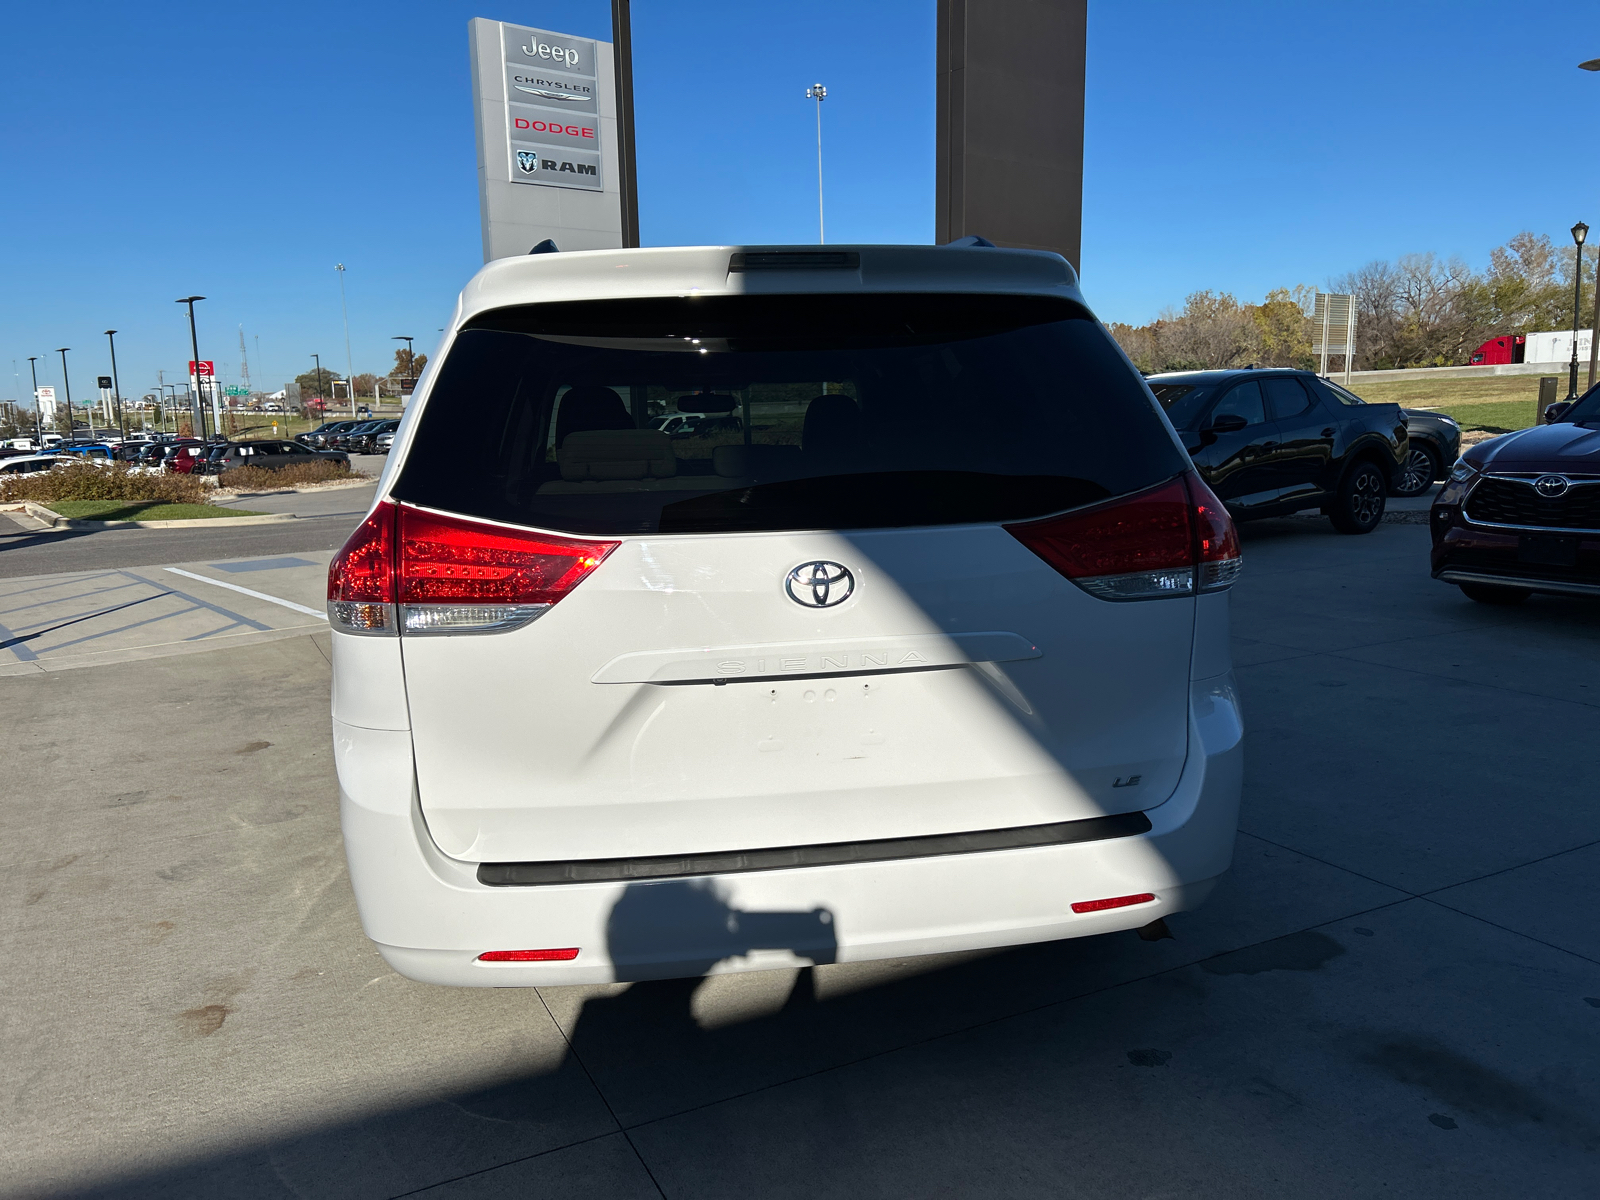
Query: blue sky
(239, 151)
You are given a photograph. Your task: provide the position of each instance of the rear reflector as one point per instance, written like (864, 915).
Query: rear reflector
(429, 573)
(1171, 540)
(1088, 906)
(565, 955)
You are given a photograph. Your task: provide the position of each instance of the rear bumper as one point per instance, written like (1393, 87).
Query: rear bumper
(431, 917)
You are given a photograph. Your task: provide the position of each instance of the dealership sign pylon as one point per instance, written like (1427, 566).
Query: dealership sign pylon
(546, 114)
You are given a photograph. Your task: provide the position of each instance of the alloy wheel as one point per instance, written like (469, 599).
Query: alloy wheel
(1366, 497)
(1416, 475)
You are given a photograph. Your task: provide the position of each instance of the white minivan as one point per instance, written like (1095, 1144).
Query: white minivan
(918, 644)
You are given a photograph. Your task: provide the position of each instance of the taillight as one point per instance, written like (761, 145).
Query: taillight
(461, 576)
(361, 577)
(1172, 540)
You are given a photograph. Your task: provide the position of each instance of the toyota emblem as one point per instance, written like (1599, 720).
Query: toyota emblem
(1551, 486)
(820, 584)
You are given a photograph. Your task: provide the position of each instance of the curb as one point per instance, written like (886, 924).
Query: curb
(309, 489)
(56, 521)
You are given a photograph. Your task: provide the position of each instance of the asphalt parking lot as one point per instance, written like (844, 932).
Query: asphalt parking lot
(1396, 990)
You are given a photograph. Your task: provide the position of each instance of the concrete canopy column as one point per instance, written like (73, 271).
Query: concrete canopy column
(1010, 123)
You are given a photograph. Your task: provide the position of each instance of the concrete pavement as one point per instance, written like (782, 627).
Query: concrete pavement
(1396, 990)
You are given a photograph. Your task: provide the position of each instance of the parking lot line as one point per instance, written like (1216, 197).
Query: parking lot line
(234, 587)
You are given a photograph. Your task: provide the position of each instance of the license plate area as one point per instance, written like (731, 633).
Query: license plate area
(1547, 550)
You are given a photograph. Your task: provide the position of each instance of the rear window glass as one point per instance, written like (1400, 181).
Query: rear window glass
(712, 414)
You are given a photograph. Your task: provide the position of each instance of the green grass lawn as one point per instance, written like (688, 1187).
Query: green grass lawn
(1496, 403)
(140, 510)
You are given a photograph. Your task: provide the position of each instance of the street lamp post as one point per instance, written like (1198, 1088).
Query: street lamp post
(1579, 232)
(1594, 337)
(194, 346)
(38, 424)
(317, 382)
(349, 365)
(411, 356)
(67, 382)
(116, 389)
(818, 93)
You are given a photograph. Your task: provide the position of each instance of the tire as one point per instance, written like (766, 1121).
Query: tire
(1358, 505)
(1488, 593)
(1417, 475)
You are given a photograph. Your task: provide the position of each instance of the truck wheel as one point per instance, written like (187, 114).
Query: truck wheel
(1417, 476)
(1488, 593)
(1358, 505)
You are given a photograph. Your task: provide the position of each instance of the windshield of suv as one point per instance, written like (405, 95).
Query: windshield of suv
(1585, 410)
(800, 412)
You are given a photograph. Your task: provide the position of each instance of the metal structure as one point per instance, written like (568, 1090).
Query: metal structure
(1580, 232)
(116, 387)
(1010, 122)
(622, 65)
(1333, 330)
(349, 364)
(198, 404)
(819, 93)
(67, 383)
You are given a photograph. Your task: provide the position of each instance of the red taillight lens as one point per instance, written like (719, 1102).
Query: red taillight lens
(1216, 540)
(1088, 906)
(458, 575)
(361, 577)
(566, 954)
(1142, 547)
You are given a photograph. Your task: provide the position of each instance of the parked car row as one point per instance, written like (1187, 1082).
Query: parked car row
(353, 437)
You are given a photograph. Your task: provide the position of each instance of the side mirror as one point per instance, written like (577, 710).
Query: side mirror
(1554, 412)
(1227, 423)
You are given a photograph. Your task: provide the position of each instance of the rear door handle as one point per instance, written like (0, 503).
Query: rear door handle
(1328, 432)
(1268, 445)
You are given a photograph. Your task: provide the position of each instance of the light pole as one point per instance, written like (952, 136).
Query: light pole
(411, 357)
(38, 425)
(317, 381)
(349, 366)
(68, 383)
(818, 93)
(1579, 232)
(1594, 337)
(116, 389)
(194, 346)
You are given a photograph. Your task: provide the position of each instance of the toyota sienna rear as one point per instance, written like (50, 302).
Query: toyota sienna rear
(916, 642)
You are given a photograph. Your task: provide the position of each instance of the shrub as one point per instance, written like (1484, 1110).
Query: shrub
(261, 479)
(83, 481)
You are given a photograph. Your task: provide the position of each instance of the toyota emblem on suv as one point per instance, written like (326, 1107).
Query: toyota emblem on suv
(820, 584)
(1550, 486)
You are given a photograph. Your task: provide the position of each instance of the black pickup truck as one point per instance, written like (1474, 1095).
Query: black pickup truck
(1272, 442)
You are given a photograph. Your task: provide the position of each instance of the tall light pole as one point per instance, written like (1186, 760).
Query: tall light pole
(818, 93)
(68, 383)
(349, 366)
(38, 424)
(1579, 232)
(194, 346)
(1594, 337)
(116, 388)
(411, 356)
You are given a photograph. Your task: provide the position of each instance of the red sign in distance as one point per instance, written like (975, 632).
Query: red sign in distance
(207, 369)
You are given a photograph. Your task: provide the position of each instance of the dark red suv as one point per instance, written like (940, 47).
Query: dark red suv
(1521, 513)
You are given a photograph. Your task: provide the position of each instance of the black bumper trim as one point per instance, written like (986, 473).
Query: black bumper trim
(727, 862)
